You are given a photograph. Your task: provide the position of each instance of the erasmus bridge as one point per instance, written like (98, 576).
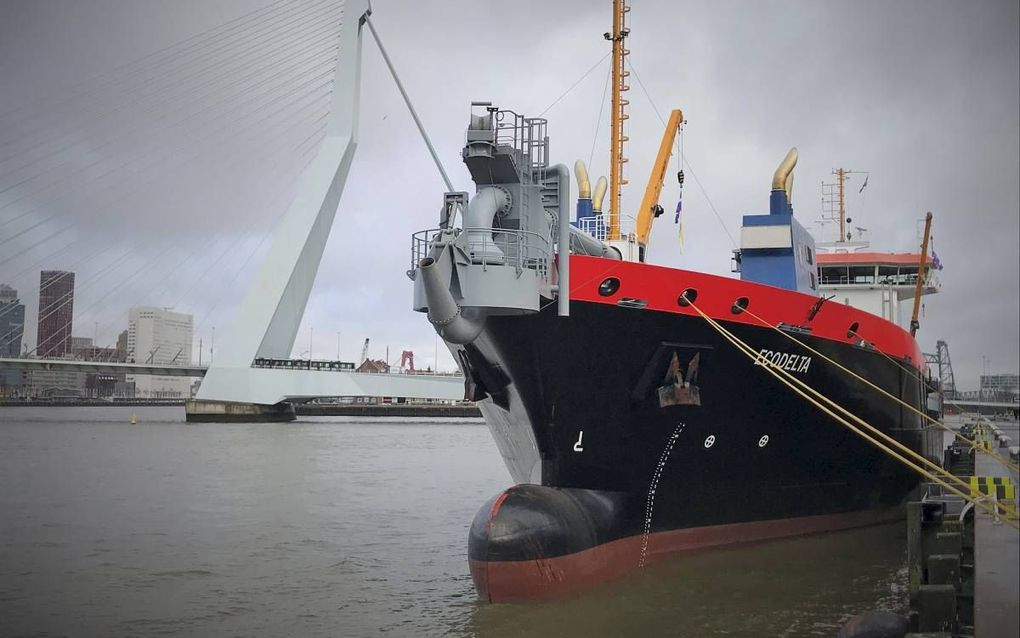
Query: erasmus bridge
(281, 82)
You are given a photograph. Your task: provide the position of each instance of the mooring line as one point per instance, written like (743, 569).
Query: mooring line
(802, 389)
(652, 487)
(933, 421)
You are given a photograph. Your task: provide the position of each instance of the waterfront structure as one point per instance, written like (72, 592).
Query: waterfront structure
(160, 336)
(56, 313)
(1004, 385)
(58, 383)
(12, 328)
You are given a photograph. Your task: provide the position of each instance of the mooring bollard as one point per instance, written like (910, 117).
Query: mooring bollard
(936, 606)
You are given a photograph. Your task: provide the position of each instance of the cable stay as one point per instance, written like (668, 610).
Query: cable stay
(868, 432)
(207, 134)
(152, 262)
(185, 257)
(118, 73)
(410, 107)
(77, 119)
(102, 248)
(281, 80)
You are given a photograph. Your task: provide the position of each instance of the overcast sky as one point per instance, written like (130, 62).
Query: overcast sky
(118, 162)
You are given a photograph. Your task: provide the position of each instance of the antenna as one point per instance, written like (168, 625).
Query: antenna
(834, 201)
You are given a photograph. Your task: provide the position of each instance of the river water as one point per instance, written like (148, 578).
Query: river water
(345, 527)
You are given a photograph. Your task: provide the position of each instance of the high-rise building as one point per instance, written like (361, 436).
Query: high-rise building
(12, 327)
(56, 313)
(122, 345)
(12, 322)
(160, 337)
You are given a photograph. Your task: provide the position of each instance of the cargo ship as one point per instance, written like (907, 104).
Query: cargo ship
(633, 427)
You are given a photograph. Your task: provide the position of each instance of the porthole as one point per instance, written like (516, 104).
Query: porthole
(687, 297)
(740, 305)
(852, 330)
(609, 286)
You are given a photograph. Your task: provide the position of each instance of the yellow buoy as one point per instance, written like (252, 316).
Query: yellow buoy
(134, 420)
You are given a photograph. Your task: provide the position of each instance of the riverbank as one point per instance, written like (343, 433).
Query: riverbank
(300, 409)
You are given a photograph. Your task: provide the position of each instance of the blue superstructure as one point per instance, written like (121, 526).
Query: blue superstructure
(774, 248)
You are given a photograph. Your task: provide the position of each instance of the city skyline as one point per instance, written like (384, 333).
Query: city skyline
(867, 98)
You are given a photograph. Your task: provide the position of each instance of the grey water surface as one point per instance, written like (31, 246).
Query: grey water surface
(345, 527)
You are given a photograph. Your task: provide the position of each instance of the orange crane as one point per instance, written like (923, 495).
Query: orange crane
(914, 325)
(650, 208)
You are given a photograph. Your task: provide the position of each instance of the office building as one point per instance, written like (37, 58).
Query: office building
(12, 328)
(159, 336)
(56, 313)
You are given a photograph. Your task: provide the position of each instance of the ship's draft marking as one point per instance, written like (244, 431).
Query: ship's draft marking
(710, 441)
(763, 441)
(577, 446)
(650, 501)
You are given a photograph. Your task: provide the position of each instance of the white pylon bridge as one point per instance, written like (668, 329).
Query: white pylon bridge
(266, 323)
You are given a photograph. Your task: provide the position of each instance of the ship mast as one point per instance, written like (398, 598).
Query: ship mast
(841, 180)
(619, 113)
(834, 201)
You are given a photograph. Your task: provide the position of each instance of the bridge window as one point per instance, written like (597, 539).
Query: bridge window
(835, 275)
(888, 275)
(862, 274)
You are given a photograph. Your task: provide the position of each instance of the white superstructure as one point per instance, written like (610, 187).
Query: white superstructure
(878, 283)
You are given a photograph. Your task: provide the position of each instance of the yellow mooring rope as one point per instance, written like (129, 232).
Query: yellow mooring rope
(912, 373)
(1005, 463)
(803, 390)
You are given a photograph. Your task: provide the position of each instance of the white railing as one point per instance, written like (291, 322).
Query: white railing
(520, 249)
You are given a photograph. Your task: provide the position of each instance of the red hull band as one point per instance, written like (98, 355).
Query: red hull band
(513, 581)
(660, 287)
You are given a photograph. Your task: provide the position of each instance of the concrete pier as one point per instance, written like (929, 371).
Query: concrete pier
(199, 411)
(996, 566)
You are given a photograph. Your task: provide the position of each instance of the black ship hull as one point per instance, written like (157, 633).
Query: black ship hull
(636, 433)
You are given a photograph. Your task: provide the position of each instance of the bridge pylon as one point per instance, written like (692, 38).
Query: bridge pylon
(266, 323)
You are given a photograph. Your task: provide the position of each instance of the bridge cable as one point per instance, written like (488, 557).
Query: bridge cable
(410, 107)
(123, 84)
(120, 284)
(324, 76)
(257, 83)
(102, 248)
(118, 72)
